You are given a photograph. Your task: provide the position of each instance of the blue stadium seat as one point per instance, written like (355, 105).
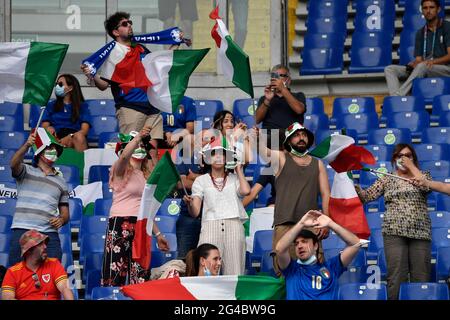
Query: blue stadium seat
(108, 293)
(5, 224)
(263, 197)
(376, 242)
(314, 106)
(208, 108)
(101, 124)
(376, 206)
(93, 224)
(436, 135)
(380, 152)
(362, 123)
(244, 107)
(107, 192)
(406, 54)
(267, 265)
(358, 261)
(101, 107)
(324, 40)
(402, 104)
(413, 21)
(344, 106)
(6, 156)
(437, 169)
(166, 223)
(352, 275)
(66, 242)
(93, 278)
(248, 120)
(203, 123)
(262, 242)
(327, 9)
(423, 291)
(362, 5)
(432, 151)
(414, 121)
(12, 140)
(326, 25)
(170, 207)
(440, 219)
(375, 220)
(444, 119)
(99, 173)
(35, 111)
(93, 261)
(443, 264)
(333, 242)
(10, 123)
(407, 40)
(428, 88)
(4, 259)
(440, 237)
(368, 22)
(361, 291)
(67, 261)
(75, 211)
(322, 61)
(7, 206)
(13, 109)
(370, 59)
(5, 242)
(158, 258)
(443, 202)
(65, 229)
(102, 207)
(91, 243)
(316, 122)
(106, 137)
(70, 173)
(371, 39)
(389, 136)
(441, 104)
(5, 174)
(367, 178)
(171, 238)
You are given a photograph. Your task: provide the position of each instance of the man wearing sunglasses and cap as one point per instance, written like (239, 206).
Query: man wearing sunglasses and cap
(42, 193)
(299, 180)
(36, 277)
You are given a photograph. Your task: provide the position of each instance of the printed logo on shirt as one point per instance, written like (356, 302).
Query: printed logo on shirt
(173, 208)
(46, 278)
(325, 273)
(23, 285)
(180, 109)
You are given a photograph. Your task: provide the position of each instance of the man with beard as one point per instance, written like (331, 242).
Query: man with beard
(36, 277)
(431, 51)
(299, 178)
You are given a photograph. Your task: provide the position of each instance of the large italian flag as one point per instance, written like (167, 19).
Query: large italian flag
(28, 70)
(161, 182)
(341, 153)
(169, 72)
(234, 62)
(345, 207)
(209, 288)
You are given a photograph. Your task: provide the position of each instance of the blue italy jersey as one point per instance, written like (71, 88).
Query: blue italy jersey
(313, 282)
(184, 113)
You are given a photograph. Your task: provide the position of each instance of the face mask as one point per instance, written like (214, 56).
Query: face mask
(51, 155)
(308, 262)
(207, 272)
(299, 151)
(139, 154)
(59, 91)
(399, 164)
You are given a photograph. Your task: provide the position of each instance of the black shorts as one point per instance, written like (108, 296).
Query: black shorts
(188, 9)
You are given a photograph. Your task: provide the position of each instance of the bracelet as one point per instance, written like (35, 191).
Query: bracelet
(157, 234)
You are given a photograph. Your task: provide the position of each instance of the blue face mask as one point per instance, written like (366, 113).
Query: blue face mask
(308, 262)
(207, 272)
(59, 91)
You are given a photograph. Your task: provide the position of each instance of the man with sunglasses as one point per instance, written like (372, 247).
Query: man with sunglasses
(279, 107)
(36, 277)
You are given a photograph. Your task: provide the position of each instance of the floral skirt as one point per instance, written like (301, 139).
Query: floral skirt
(118, 267)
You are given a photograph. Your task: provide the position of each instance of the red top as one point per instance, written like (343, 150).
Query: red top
(19, 280)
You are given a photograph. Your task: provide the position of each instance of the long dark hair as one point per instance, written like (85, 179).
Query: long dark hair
(76, 97)
(193, 258)
(398, 148)
(219, 117)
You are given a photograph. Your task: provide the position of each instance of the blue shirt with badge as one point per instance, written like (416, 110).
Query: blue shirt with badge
(318, 281)
(185, 113)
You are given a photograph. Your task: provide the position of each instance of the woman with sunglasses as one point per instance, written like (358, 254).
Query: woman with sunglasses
(406, 226)
(67, 117)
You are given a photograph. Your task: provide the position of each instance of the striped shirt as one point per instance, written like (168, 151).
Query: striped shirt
(38, 198)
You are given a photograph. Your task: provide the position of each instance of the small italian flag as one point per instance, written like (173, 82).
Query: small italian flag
(209, 288)
(234, 61)
(345, 206)
(28, 70)
(43, 140)
(169, 72)
(341, 153)
(161, 182)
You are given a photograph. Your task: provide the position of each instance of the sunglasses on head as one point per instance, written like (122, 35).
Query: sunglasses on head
(35, 278)
(125, 24)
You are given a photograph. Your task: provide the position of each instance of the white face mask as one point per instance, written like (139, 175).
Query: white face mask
(51, 155)
(308, 262)
(400, 165)
(139, 154)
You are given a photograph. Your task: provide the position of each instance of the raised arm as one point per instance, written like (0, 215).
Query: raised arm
(99, 83)
(16, 162)
(244, 187)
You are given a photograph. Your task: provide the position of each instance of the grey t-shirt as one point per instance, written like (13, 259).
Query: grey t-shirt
(442, 41)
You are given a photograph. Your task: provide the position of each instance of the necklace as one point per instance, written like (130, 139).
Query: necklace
(219, 185)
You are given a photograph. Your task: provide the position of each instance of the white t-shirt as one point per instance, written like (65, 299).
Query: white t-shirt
(217, 204)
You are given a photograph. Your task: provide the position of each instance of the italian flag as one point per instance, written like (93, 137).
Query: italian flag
(161, 182)
(345, 207)
(28, 70)
(209, 288)
(169, 72)
(341, 153)
(234, 62)
(124, 66)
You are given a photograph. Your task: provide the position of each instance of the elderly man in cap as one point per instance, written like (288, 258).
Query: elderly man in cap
(36, 277)
(299, 179)
(42, 195)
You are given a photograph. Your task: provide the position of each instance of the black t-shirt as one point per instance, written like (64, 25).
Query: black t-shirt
(280, 115)
(264, 180)
(441, 39)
